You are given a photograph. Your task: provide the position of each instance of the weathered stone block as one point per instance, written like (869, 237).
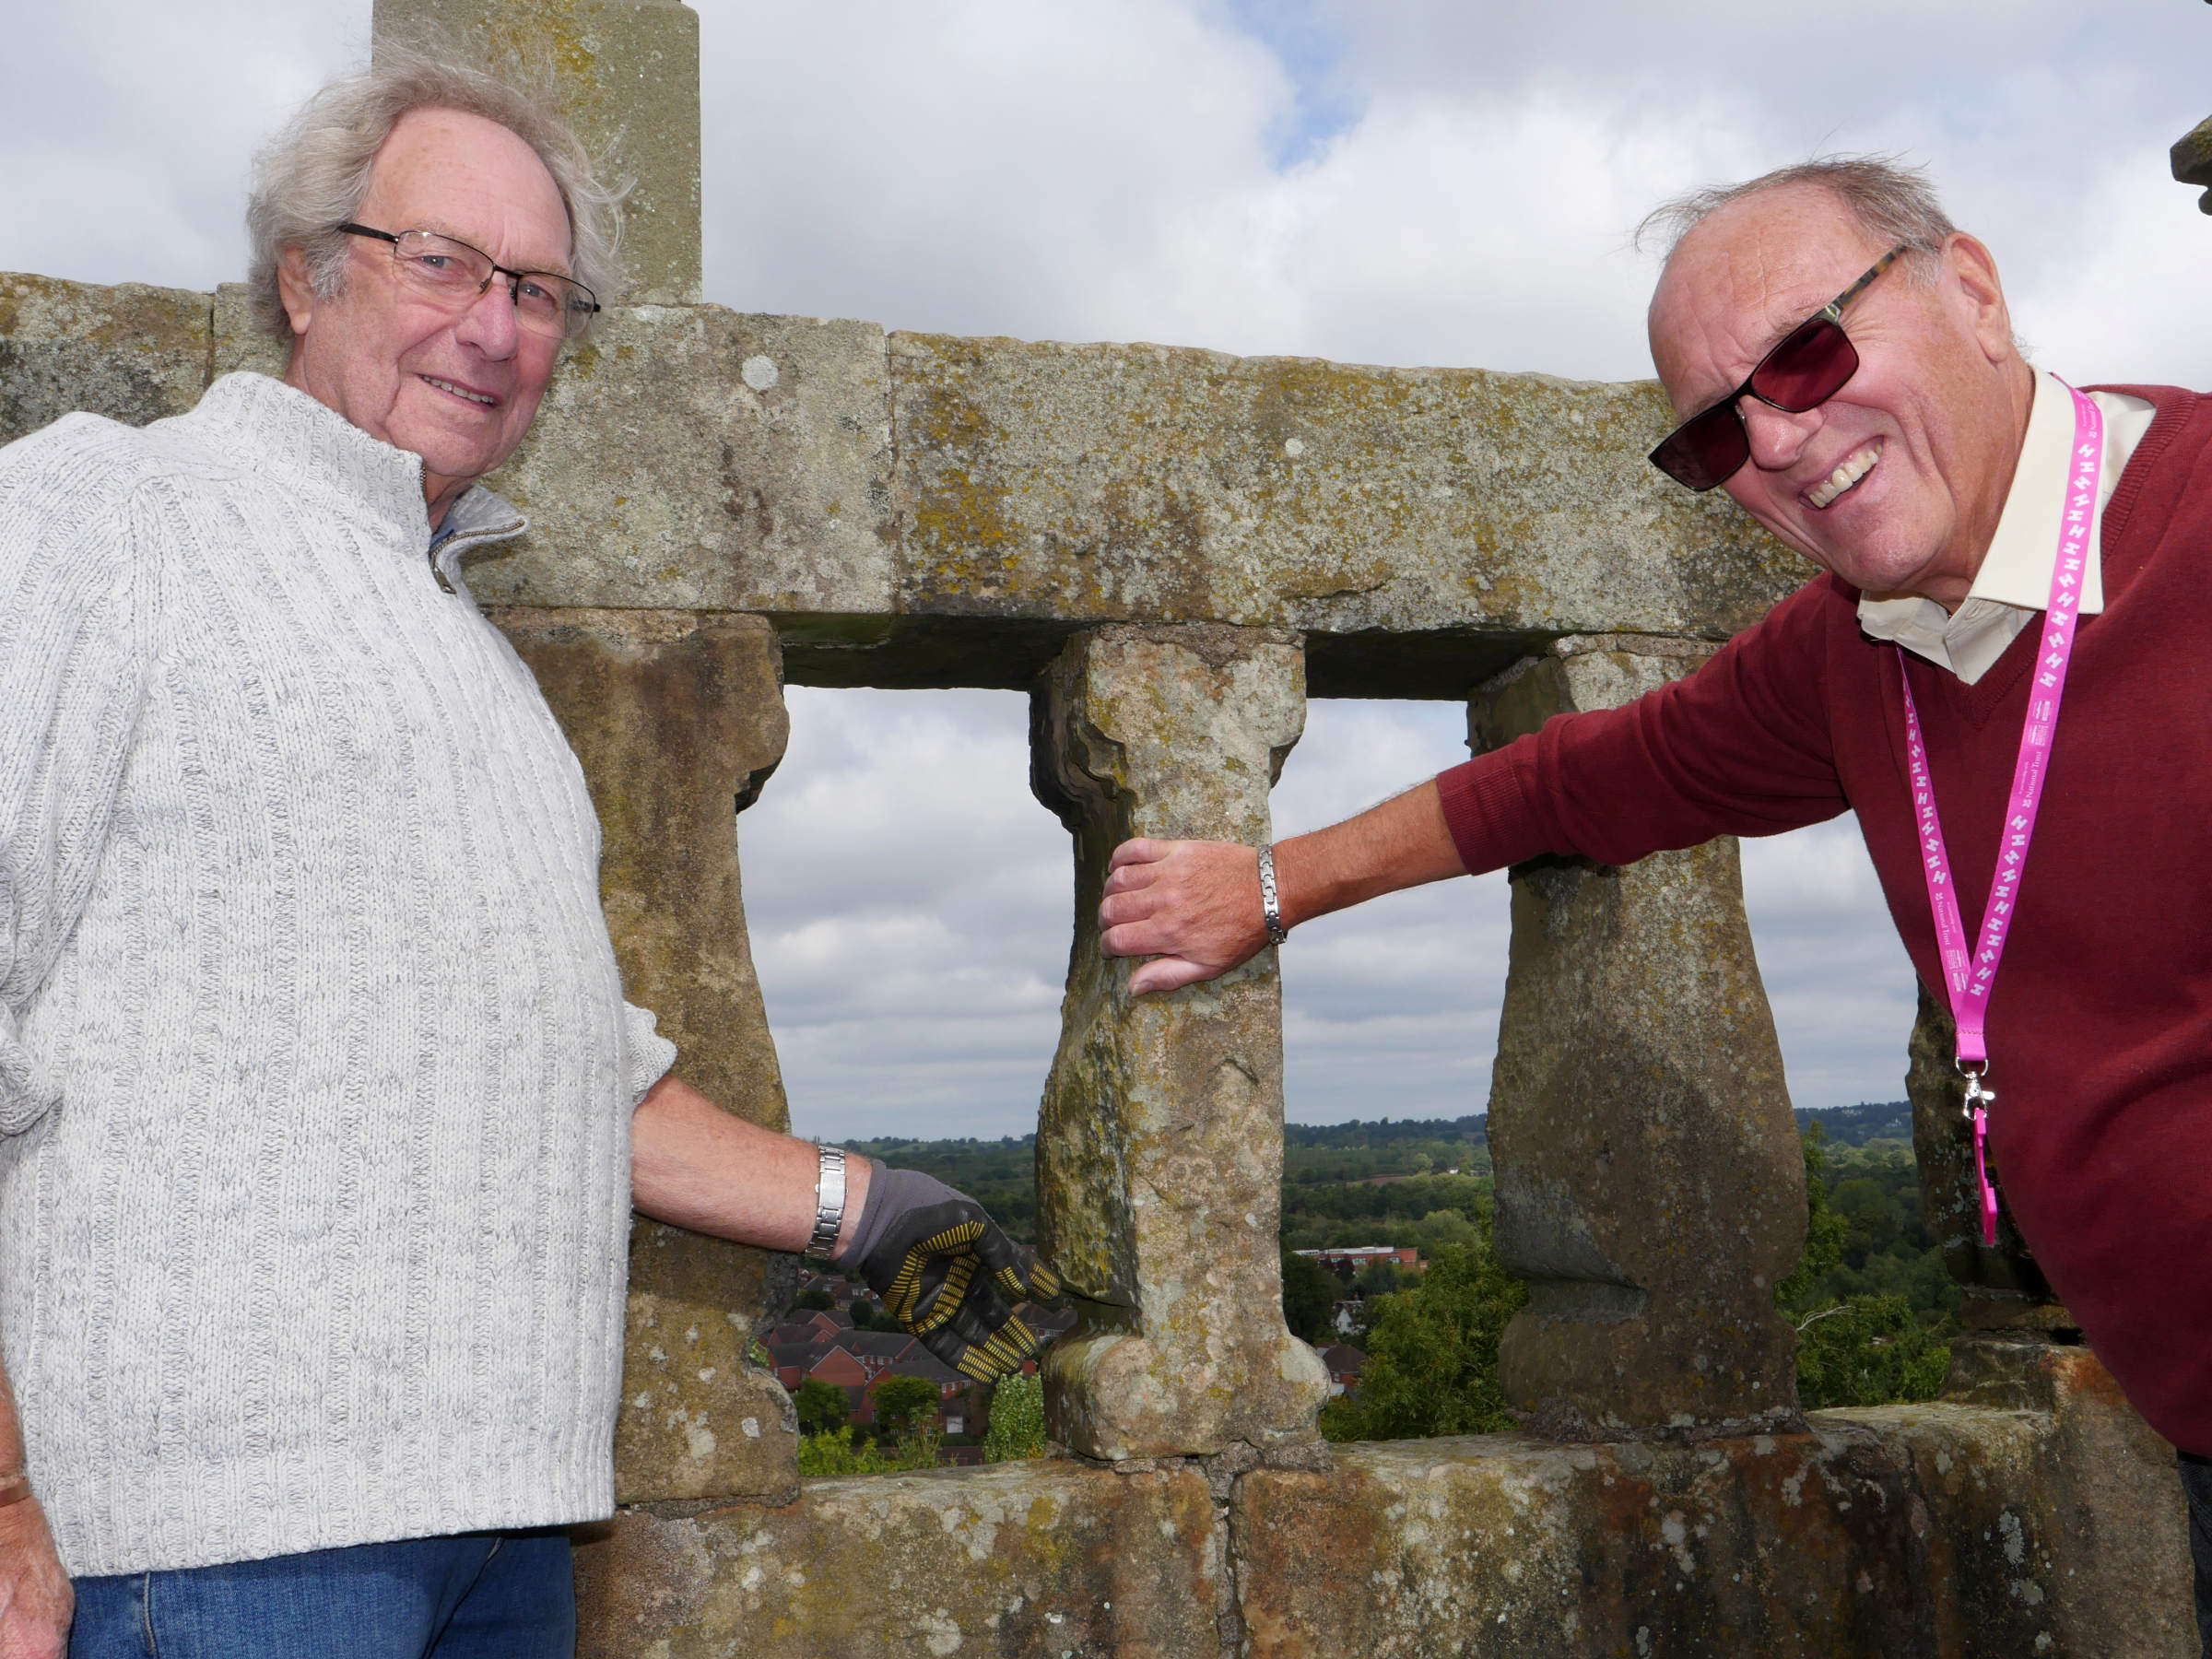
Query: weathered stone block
(627, 74)
(2191, 158)
(678, 719)
(1159, 1140)
(239, 342)
(1650, 1187)
(1140, 483)
(1430, 526)
(699, 459)
(2003, 1287)
(132, 353)
(2056, 1528)
(1525, 1549)
(1041, 1557)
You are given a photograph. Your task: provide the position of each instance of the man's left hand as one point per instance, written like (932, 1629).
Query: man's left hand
(946, 1273)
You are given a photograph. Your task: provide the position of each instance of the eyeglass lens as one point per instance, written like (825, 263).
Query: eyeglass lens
(544, 303)
(1810, 366)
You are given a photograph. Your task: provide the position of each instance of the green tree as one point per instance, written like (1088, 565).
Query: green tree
(1377, 1278)
(814, 1300)
(1432, 1356)
(1824, 1234)
(836, 1454)
(823, 1406)
(1860, 1349)
(905, 1404)
(1016, 1420)
(1869, 1350)
(1309, 1293)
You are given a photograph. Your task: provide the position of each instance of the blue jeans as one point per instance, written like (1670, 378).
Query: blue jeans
(478, 1595)
(2196, 1486)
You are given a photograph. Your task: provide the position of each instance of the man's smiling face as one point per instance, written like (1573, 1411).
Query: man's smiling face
(458, 388)
(1898, 481)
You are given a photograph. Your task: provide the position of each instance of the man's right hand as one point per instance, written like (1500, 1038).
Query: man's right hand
(36, 1600)
(1192, 906)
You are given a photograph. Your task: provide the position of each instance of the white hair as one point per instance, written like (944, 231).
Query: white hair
(1888, 199)
(315, 174)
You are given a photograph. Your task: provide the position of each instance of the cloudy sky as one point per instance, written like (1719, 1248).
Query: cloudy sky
(1387, 181)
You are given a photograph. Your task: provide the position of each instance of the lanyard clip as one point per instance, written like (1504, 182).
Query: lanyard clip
(1977, 1097)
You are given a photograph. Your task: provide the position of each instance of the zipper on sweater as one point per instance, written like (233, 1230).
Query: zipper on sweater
(442, 582)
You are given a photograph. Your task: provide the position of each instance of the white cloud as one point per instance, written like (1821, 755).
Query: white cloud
(130, 129)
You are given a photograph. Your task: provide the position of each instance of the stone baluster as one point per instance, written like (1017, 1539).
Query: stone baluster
(1649, 1187)
(627, 74)
(675, 714)
(1159, 1140)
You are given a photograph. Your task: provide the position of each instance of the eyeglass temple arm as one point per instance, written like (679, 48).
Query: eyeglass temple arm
(1834, 309)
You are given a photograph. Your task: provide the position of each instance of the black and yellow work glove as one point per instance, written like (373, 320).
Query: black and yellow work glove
(946, 1273)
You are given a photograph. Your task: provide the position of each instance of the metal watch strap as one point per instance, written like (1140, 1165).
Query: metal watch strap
(1270, 910)
(829, 1203)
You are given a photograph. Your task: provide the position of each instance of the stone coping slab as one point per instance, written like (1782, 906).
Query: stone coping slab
(924, 509)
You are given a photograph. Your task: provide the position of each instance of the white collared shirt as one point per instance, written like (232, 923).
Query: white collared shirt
(2014, 584)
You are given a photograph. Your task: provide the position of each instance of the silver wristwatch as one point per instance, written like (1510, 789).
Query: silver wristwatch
(828, 1203)
(1270, 910)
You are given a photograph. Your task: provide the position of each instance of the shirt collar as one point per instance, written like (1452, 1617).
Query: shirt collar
(2014, 581)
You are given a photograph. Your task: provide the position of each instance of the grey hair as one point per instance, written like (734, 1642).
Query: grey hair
(1889, 199)
(315, 174)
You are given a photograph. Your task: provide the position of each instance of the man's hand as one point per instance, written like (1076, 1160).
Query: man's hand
(1194, 906)
(36, 1600)
(946, 1273)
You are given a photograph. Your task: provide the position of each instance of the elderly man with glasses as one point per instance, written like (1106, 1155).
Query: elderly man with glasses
(321, 1113)
(2002, 669)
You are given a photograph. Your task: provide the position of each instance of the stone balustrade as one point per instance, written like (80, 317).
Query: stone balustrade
(1169, 549)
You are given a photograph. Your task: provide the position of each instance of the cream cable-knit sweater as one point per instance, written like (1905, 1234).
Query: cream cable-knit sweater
(315, 1074)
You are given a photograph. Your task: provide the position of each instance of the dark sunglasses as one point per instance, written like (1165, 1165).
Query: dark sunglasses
(1810, 366)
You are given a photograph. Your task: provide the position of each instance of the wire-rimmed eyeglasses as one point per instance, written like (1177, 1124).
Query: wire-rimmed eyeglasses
(448, 271)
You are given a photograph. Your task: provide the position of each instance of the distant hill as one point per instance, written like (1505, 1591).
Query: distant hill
(1855, 1125)
(1387, 1142)
(1362, 1135)
(1001, 1173)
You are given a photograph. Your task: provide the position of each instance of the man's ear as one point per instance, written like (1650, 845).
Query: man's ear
(295, 288)
(1969, 270)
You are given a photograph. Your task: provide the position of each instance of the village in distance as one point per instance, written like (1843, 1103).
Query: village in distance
(1388, 1272)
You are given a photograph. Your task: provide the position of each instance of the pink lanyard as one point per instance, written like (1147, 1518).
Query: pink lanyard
(1969, 978)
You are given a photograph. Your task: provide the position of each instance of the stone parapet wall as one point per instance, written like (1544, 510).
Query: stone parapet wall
(1945, 1530)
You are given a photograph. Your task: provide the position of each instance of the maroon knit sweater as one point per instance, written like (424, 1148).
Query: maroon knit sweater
(2101, 1019)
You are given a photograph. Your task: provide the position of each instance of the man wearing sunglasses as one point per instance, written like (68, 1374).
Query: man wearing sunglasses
(322, 1111)
(2002, 668)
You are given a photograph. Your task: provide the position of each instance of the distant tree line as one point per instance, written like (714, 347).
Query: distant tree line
(1873, 1304)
